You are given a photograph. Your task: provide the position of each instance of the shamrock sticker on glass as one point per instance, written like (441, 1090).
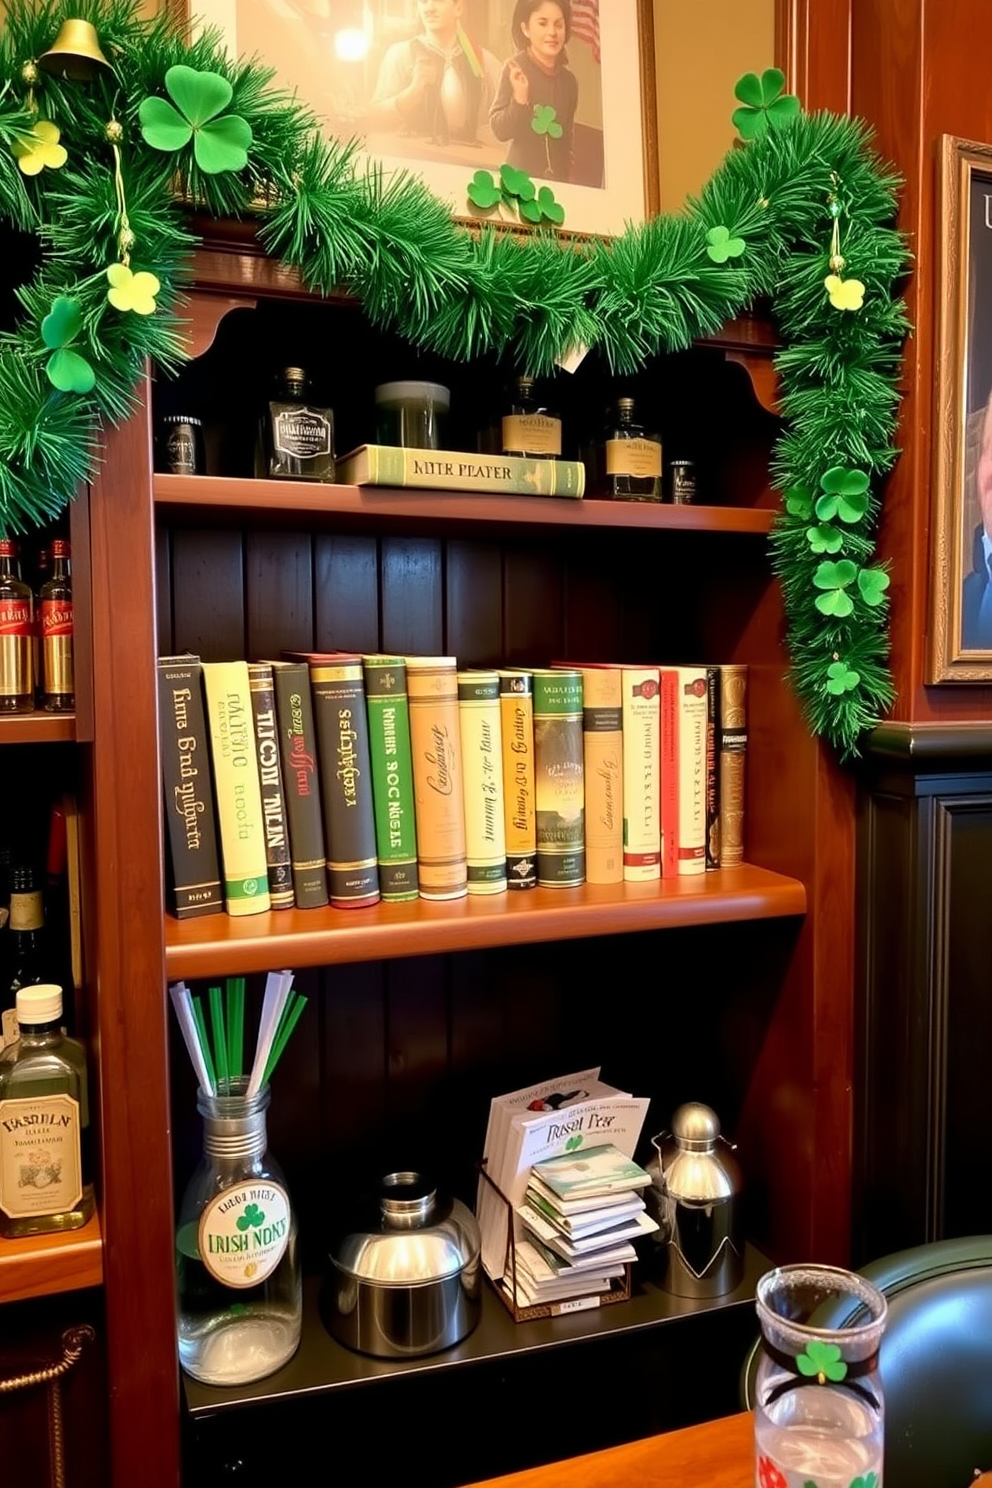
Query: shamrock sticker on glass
(545, 121)
(39, 147)
(720, 245)
(765, 105)
(821, 1361)
(845, 495)
(130, 291)
(219, 144)
(845, 294)
(841, 678)
(67, 370)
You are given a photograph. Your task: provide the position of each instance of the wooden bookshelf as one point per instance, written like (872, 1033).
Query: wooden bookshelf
(37, 728)
(42, 1265)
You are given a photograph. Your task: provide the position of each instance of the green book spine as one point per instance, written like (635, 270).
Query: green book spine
(392, 776)
(263, 702)
(300, 779)
(338, 690)
(457, 470)
(558, 754)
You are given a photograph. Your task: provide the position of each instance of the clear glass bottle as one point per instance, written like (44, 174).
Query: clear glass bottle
(297, 436)
(631, 457)
(45, 1178)
(26, 944)
(16, 635)
(56, 625)
(237, 1251)
(530, 428)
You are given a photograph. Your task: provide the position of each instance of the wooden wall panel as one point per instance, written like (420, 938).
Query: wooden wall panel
(346, 594)
(278, 593)
(208, 599)
(412, 596)
(473, 608)
(532, 606)
(352, 1031)
(417, 1059)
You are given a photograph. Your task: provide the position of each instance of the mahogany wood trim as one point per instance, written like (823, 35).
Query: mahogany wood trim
(925, 743)
(42, 1265)
(813, 49)
(82, 609)
(37, 728)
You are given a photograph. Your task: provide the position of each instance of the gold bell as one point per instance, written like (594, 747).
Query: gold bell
(75, 53)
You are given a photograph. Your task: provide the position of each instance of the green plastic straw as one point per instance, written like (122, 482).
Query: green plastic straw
(235, 988)
(220, 1035)
(201, 1028)
(289, 1020)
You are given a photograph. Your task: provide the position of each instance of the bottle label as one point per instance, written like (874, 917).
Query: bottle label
(637, 457)
(244, 1232)
(302, 433)
(15, 617)
(27, 910)
(41, 1170)
(683, 483)
(10, 1030)
(180, 450)
(532, 434)
(56, 640)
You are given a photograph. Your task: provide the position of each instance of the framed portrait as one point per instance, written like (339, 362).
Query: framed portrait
(960, 647)
(561, 89)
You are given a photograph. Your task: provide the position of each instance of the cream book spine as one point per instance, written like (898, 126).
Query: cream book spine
(602, 742)
(239, 798)
(482, 781)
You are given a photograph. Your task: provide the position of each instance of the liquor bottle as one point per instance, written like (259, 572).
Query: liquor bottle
(45, 1182)
(27, 943)
(16, 635)
(530, 428)
(55, 613)
(631, 457)
(682, 481)
(297, 437)
(180, 445)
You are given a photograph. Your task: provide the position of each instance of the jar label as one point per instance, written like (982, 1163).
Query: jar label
(301, 433)
(637, 457)
(41, 1169)
(180, 450)
(244, 1231)
(532, 433)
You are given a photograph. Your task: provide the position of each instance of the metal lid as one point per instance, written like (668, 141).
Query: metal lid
(694, 1168)
(182, 418)
(391, 394)
(293, 374)
(406, 1236)
(625, 405)
(695, 1127)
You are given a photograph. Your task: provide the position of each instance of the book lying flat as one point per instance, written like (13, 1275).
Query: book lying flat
(607, 1245)
(584, 1204)
(460, 470)
(574, 1227)
(591, 1170)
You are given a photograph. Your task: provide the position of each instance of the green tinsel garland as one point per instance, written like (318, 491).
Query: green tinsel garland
(393, 244)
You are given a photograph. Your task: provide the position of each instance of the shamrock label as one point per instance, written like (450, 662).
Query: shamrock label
(219, 144)
(765, 106)
(253, 1218)
(833, 579)
(845, 294)
(845, 495)
(67, 370)
(243, 1232)
(545, 121)
(39, 147)
(821, 1361)
(841, 678)
(130, 291)
(873, 582)
(573, 1142)
(720, 245)
(824, 539)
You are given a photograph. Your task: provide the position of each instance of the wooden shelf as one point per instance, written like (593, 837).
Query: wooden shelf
(44, 1264)
(37, 728)
(220, 944)
(207, 496)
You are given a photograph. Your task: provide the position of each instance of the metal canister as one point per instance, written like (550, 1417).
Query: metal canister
(181, 445)
(695, 1197)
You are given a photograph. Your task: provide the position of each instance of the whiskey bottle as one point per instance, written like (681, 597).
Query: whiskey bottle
(45, 1183)
(55, 614)
(180, 445)
(297, 436)
(26, 943)
(631, 457)
(16, 635)
(530, 428)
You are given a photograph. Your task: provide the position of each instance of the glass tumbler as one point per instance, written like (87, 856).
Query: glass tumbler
(818, 1410)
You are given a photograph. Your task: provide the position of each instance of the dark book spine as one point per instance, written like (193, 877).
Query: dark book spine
(712, 767)
(277, 853)
(338, 691)
(191, 830)
(298, 750)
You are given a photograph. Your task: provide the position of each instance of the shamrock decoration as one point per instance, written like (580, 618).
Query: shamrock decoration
(67, 370)
(821, 1361)
(868, 1480)
(573, 1142)
(834, 578)
(765, 106)
(483, 191)
(721, 246)
(515, 192)
(872, 583)
(841, 678)
(38, 147)
(545, 121)
(824, 539)
(799, 502)
(845, 495)
(516, 183)
(252, 1217)
(130, 291)
(845, 294)
(218, 144)
(544, 206)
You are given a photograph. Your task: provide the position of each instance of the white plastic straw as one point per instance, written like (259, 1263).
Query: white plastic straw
(278, 985)
(183, 1004)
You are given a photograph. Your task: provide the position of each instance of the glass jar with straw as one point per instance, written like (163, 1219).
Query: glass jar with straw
(237, 1251)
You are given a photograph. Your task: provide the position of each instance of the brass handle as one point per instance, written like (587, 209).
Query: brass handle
(73, 1341)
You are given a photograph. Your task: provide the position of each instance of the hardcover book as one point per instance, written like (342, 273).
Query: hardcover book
(277, 853)
(732, 750)
(193, 863)
(712, 768)
(300, 779)
(602, 746)
(456, 470)
(239, 797)
(482, 781)
(516, 705)
(559, 774)
(435, 740)
(592, 1170)
(683, 771)
(641, 774)
(392, 776)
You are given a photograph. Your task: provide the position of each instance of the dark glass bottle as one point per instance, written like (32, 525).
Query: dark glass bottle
(682, 481)
(297, 436)
(631, 457)
(27, 942)
(530, 428)
(55, 622)
(180, 445)
(16, 635)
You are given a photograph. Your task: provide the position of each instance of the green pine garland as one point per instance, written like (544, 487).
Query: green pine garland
(761, 227)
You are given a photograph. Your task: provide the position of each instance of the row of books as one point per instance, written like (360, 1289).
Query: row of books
(342, 778)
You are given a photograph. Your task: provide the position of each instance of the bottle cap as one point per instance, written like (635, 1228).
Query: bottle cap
(60, 548)
(392, 394)
(293, 374)
(625, 405)
(8, 548)
(182, 418)
(525, 380)
(39, 1004)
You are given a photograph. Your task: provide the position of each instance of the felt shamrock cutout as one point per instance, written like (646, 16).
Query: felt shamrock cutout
(841, 678)
(516, 183)
(38, 147)
(824, 539)
(219, 144)
(483, 192)
(834, 578)
(821, 1361)
(130, 291)
(845, 495)
(765, 106)
(543, 207)
(869, 1480)
(545, 121)
(799, 502)
(873, 582)
(721, 246)
(845, 294)
(67, 370)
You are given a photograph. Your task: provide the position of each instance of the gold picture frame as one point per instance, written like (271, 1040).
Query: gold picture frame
(960, 629)
(335, 54)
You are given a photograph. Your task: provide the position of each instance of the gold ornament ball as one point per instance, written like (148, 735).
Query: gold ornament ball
(30, 73)
(127, 239)
(838, 263)
(114, 131)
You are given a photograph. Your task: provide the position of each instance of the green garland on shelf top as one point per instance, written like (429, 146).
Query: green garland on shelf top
(98, 171)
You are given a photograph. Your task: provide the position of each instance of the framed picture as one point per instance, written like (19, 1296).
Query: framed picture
(561, 89)
(961, 570)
